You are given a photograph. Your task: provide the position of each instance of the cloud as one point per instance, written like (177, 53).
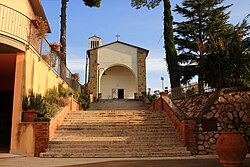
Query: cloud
(76, 64)
(156, 64)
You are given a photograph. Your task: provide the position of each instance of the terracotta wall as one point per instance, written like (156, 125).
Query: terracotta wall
(57, 120)
(185, 128)
(33, 137)
(25, 139)
(31, 73)
(38, 75)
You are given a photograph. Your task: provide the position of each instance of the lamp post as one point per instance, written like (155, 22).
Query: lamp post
(98, 81)
(162, 83)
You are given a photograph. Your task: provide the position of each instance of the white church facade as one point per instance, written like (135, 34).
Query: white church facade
(116, 70)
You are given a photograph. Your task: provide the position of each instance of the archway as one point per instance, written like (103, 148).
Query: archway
(119, 82)
(7, 78)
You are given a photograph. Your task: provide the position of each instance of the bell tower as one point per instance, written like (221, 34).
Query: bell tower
(94, 42)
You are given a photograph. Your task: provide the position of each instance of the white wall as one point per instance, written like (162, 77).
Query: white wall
(118, 77)
(119, 54)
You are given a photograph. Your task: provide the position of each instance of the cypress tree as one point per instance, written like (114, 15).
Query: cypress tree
(171, 54)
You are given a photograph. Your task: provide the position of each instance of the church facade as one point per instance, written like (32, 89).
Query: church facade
(116, 70)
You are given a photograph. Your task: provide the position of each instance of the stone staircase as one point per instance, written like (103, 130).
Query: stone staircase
(115, 133)
(117, 104)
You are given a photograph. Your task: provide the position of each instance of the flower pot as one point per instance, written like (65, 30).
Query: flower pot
(232, 149)
(29, 116)
(35, 23)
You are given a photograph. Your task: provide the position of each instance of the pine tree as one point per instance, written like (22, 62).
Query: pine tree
(202, 18)
(171, 54)
(227, 62)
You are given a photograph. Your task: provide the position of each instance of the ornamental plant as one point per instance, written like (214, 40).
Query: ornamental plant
(42, 29)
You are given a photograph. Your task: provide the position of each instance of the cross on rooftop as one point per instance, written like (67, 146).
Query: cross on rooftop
(117, 36)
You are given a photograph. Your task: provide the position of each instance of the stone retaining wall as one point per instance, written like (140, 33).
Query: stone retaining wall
(214, 113)
(230, 113)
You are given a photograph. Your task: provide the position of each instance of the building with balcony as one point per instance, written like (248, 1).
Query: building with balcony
(26, 62)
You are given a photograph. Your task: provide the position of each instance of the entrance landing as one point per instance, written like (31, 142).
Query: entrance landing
(117, 104)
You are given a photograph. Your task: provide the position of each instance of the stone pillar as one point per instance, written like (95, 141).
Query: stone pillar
(41, 130)
(163, 94)
(141, 68)
(92, 85)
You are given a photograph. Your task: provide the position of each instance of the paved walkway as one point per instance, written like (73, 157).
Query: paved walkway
(11, 160)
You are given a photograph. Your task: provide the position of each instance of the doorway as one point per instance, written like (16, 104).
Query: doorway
(6, 98)
(7, 78)
(120, 93)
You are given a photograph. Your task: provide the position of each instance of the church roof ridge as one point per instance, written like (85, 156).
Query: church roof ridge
(121, 43)
(95, 36)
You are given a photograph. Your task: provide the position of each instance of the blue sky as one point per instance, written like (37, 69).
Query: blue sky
(143, 28)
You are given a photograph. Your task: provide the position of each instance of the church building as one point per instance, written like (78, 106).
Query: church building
(116, 70)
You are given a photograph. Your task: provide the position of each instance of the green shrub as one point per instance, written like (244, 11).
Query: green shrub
(64, 92)
(51, 95)
(84, 99)
(51, 110)
(33, 102)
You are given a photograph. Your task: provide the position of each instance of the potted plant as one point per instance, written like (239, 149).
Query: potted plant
(35, 23)
(76, 76)
(32, 105)
(231, 149)
(55, 47)
(230, 146)
(41, 27)
(84, 100)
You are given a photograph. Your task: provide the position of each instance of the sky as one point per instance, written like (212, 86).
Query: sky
(142, 27)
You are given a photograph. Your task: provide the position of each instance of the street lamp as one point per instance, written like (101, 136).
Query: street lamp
(162, 84)
(98, 81)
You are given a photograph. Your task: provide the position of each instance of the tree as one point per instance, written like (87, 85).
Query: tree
(228, 58)
(90, 3)
(171, 54)
(203, 17)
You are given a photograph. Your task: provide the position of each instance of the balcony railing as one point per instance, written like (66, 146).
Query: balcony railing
(17, 25)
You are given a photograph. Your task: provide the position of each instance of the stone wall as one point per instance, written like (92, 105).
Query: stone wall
(217, 112)
(230, 113)
(141, 67)
(92, 85)
(193, 106)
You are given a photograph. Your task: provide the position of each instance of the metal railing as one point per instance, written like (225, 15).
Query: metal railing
(187, 91)
(17, 25)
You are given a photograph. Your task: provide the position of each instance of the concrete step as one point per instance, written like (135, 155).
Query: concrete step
(113, 144)
(117, 105)
(133, 131)
(117, 150)
(111, 137)
(130, 125)
(114, 155)
(117, 112)
(115, 133)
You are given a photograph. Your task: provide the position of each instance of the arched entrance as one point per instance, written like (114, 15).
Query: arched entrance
(7, 78)
(118, 83)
